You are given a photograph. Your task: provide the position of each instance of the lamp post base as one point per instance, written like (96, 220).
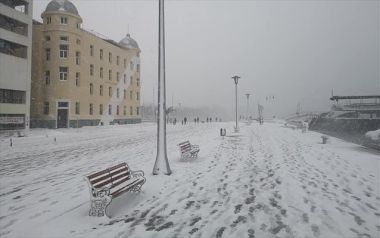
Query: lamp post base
(236, 129)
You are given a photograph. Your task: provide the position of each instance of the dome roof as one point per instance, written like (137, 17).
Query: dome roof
(62, 5)
(129, 43)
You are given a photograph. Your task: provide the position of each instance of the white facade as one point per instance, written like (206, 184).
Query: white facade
(15, 63)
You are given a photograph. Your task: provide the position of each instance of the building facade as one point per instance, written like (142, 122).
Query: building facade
(79, 78)
(15, 63)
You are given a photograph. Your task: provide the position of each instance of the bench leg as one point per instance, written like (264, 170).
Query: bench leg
(99, 206)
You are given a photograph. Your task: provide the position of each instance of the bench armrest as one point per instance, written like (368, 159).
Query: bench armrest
(137, 173)
(194, 146)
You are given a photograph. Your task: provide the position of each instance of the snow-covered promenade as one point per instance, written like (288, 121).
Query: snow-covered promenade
(266, 181)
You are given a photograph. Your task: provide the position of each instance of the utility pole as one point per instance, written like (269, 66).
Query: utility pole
(236, 80)
(162, 163)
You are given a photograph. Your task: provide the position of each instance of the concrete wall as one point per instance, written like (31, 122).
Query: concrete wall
(15, 72)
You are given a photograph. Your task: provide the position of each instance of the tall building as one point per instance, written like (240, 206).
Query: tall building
(15, 63)
(80, 78)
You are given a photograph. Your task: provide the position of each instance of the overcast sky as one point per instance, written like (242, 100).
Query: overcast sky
(296, 51)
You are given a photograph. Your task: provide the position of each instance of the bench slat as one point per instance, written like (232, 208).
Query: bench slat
(102, 184)
(126, 187)
(107, 176)
(124, 175)
(106, 170)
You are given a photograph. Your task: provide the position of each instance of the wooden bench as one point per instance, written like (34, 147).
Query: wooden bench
(110, 183)
(188, 150)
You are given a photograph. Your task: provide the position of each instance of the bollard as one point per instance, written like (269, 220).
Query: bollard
(55, 139)
(11, 142)
(324, 139)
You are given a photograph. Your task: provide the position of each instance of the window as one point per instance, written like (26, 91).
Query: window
(110, 74)
(91, 109)
(109, 109)
(77, 108)
(131, 110)
(21, 6)
(78, 25)
(91, 69)
(137, 96)
(47, 38)
(101, 109)
(77, 79)
(117, 76)
(138, 68)
(91, 88)
(63, 104)
(131, 95)
(101, 54)
(131, 80)
(137, 111)
(63, 73)
(48, 20)
(46, 108)
(47, 54)
(64, 38)
(125, 78)
(91, 50)
(125, 63)
(110, 91)
(63, 51)
(131, 65)
(125, 110)
(125, 94)
(10, 48)
(117, 92)
(101, 90)
(101, 72)
(117, 110)
(110, 57)
(117, 60)
(78, 42)
(12, 96)
(138, 82)
(77, 57)
(47, 77)
(64, 20)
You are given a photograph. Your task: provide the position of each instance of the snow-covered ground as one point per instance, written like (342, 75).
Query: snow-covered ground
(266, 181)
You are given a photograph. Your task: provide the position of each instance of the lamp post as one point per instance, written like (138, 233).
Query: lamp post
(162, 163)
(236, 80)
(247, 94)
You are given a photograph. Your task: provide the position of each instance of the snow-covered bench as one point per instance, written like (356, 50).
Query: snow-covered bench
(110, 183)
(188, 150)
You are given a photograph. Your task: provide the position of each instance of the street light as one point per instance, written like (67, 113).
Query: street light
(162, 163)
(247, 94)
(236, 80)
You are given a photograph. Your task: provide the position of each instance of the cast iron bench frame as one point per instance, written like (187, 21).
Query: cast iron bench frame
(188, 150)
(110, 183)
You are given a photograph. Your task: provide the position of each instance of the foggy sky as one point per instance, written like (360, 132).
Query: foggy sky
(296, 51)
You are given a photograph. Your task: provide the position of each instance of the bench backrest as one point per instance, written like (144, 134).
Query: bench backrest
(185, 146)
(111, 177)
